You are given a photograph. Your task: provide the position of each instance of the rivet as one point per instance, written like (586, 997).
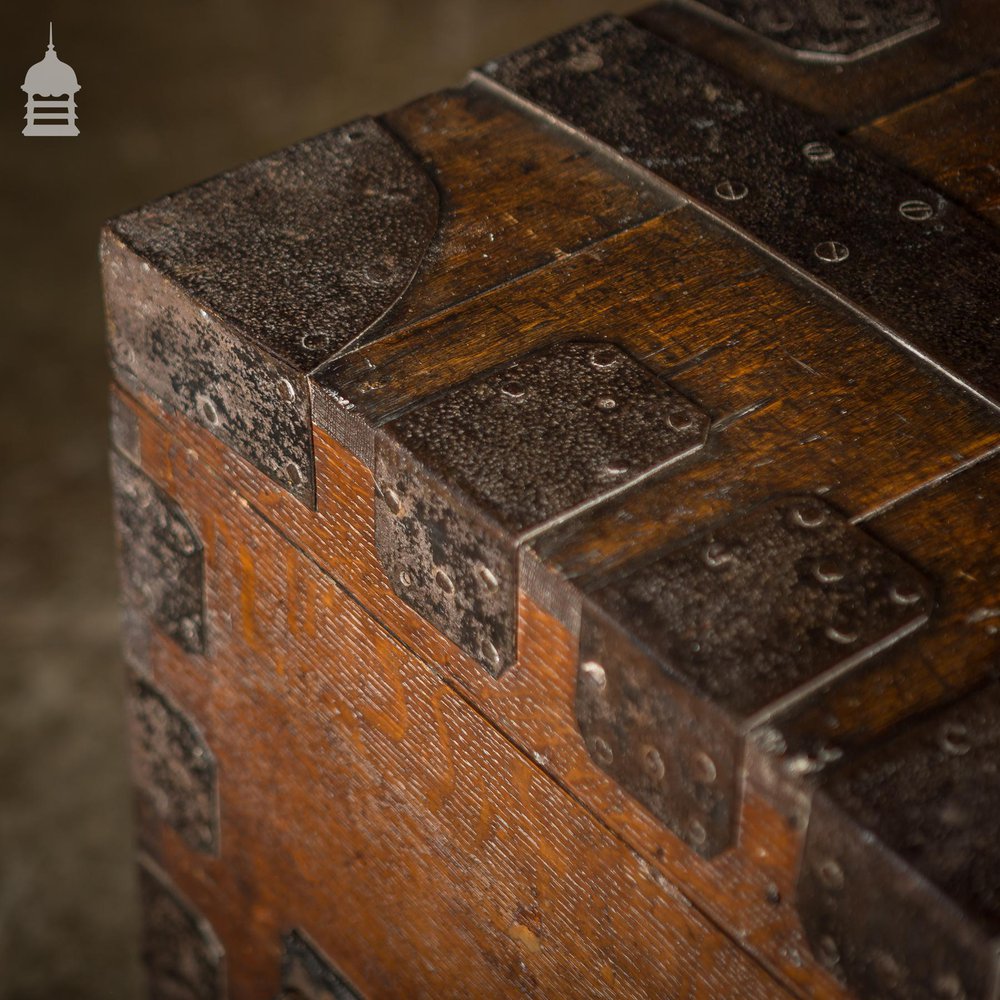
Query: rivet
(595, 673)
(185, 540)
(653, 762)
(843, 636)
(949, 987)
(704, 768)
(405, 578)
(442, 579)
(696, 833)
(887, 969)
(829, 953)
(512, 389)
(902, 593)
(392, 500)
(189, 629)
(287, 390)
(954, 739)
(315, 341)
(716, 555)
(490, 653)
(731, 190)
(604, 357)
(832, 252)
(680, 420)
(808, 517)
(831, 874)
(602, 751)
(827, 571)
(209, 411)
(606, 403)
(818, 152)
(487, 578)
(616, 467)
(916, 210)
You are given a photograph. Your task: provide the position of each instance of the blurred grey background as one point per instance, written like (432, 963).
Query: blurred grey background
(172, 92)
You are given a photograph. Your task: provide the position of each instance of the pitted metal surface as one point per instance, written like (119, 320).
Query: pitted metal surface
(906, 834)
(174, 767)
(161, 556)
(466, 477)
(301, 251)
(163, 344)
(665, 746)
(827, 29)
(681, 655)
(307, 974)
(922, 268)
(222, 297)
(182, 955)
(767, 605)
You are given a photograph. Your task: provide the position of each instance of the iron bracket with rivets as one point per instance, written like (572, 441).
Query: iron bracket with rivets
(911, 261)
(161, 556)
(222, 298)
(897, 889)
(684, 653)
(463, 480)
(173, 766)
(180, 950)
(834, 30)
(307, 974)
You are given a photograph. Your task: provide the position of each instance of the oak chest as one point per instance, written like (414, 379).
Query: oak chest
(558, 526)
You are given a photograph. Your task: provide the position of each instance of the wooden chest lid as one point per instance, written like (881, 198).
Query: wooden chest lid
(631, 327)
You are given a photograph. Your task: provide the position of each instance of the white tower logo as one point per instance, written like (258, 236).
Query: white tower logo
(51, 88)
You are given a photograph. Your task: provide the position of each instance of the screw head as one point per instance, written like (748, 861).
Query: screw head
(818, 152)
(315, 341)
(731, 190)
(831, 252)
(916, 210)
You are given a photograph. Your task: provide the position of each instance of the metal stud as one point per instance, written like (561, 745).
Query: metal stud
(487, 578)
(604, 357)
(602, 751)
(831, 875)
(490, 653)
(607, 403)
(653, 762)
(315, 341)
(680, 420)
(392, 500)
(444, 581)
(595, 673)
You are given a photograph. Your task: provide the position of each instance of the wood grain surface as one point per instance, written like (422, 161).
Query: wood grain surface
(846, 93)
(951, 139)
(366, 802)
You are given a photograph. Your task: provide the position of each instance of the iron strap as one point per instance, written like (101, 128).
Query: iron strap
(924, 270)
